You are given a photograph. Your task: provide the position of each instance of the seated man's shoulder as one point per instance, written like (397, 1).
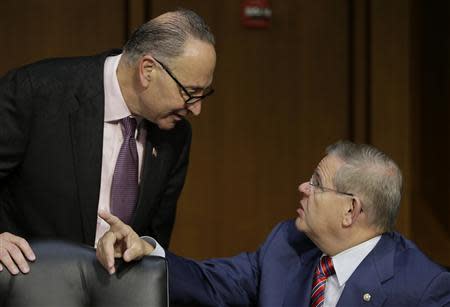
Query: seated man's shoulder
(409, 255)
(409, 276)
(414, 269)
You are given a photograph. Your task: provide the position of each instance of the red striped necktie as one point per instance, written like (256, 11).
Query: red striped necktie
(323, 270)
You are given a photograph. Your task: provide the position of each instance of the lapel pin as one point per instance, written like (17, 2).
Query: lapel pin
(154, 152)
(367, 297)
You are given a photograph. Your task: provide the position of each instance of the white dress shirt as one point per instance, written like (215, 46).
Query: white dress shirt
(115, 109)
(345, 263)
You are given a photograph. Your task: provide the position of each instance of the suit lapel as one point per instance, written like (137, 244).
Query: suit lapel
(156, 155)
(299, 279)
(364, 287)
(86, 127)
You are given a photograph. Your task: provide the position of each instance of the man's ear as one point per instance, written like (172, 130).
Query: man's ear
(353, 208)
(146, 67)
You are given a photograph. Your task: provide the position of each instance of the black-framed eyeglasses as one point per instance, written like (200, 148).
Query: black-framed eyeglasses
(316, 185)
(191, 98)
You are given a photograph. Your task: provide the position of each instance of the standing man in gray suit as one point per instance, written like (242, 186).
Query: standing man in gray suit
(105, 132)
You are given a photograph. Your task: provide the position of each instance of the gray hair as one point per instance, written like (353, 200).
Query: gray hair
(164, 38)
(372, 176)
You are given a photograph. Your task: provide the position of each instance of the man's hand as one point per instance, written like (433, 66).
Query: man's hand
(14, 253)
(121, 241)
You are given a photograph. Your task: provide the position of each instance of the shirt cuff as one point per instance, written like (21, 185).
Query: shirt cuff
(158, 251)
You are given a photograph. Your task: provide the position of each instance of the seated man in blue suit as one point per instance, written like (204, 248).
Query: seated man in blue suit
(341, 249)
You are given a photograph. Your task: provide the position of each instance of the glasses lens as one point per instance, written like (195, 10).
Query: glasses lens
(193, 100)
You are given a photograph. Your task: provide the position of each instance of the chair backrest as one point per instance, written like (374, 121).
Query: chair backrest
(68, 274)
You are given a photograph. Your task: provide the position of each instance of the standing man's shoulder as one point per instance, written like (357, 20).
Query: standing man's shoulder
(64, 68)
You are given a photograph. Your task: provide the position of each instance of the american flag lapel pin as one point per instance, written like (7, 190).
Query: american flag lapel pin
(154, 152)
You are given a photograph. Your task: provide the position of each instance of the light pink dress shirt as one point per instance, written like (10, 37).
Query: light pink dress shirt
(115, 109)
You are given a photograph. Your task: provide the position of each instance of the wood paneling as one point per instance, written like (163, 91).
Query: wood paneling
(138, 13)
(430, 205)
(391, 92)
(282, 96)
(375, 71)
(409, 112)
(35, 29)
(360, 70)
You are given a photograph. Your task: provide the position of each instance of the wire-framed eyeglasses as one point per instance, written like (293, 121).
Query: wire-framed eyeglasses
(316, 185)
(191, 99)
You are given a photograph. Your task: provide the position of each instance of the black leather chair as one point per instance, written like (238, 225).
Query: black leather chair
(68, 274)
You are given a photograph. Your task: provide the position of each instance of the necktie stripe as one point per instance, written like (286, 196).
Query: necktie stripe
(317, 300)
(320, 301)
(316, 292)
(327, 267)
(323, 270)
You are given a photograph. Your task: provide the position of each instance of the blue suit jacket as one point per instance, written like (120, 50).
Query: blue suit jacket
(395, 273)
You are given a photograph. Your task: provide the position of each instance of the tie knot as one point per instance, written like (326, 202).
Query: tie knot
(128, 126)
(326, 267)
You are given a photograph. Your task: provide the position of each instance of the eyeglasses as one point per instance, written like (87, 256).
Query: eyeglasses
(191, 98)
(325, 189)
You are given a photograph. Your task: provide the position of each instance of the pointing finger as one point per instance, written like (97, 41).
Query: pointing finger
(109, 218)
(105, 251)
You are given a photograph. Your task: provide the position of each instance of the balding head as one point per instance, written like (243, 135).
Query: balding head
(165, 36)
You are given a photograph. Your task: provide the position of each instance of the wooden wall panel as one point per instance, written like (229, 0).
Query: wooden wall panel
(360, 71)
(138, 13)
(324, 70)
(391, 92)
(430, 206)
(282, 96)
(409, 112)
(35, 29)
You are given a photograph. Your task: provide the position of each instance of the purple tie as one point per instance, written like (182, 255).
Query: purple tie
(124, 187)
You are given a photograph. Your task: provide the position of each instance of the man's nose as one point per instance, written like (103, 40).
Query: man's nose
(305, 188)
(195, 107)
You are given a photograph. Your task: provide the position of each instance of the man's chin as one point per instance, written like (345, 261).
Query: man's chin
(169, 121)
(299, 224)
(166, 124)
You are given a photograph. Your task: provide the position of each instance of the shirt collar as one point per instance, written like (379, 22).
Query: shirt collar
(346, 262)
(115, 106)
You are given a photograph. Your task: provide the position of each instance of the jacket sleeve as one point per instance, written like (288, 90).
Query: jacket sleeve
(437, 292)
(218, 282)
